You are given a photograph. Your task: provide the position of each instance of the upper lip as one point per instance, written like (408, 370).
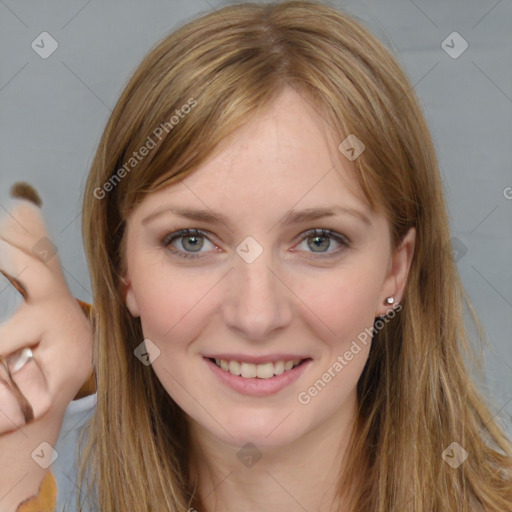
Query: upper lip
(244, 358)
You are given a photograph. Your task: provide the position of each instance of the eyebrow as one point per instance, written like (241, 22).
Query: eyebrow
(292, 217)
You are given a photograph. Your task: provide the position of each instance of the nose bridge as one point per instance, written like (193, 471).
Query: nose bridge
(258, 301)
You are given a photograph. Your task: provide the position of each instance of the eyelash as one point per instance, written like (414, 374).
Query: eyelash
(182, 233)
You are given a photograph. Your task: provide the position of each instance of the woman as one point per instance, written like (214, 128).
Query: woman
(278, 316)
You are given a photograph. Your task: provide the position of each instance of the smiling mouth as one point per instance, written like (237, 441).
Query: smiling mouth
(261, 371)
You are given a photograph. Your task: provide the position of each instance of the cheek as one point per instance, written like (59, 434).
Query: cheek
(346, 308)
(343, 302)
(172, 303)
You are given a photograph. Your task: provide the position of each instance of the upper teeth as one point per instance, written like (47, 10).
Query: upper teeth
(263, 371)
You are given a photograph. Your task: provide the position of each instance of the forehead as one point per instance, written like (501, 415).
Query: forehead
(286, 157)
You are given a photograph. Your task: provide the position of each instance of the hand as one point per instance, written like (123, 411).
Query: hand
(49, 325)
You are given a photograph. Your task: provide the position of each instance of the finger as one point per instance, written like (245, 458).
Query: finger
(66, 355)
(33, 274)
(11, 416)
(24, 393)
(29, 384)
(23, 225)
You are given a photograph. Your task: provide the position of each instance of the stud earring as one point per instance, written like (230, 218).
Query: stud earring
(390, 300)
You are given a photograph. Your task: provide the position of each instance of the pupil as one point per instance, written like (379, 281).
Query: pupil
(195, 247)
(325, 239)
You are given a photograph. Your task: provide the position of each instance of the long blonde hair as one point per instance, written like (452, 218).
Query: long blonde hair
(416, 393)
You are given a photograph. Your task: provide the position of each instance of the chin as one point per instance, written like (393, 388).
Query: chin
(268, 433)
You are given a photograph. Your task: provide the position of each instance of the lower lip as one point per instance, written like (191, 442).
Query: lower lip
(256, 386)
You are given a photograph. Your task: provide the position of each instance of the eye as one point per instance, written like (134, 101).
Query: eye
(191, 241)
(321, 239)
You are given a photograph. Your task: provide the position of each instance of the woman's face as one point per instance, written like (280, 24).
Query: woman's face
(258, 286)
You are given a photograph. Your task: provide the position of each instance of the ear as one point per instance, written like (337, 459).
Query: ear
(129, 297)
(398, 270)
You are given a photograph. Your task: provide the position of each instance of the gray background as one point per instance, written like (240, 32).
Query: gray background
(53, 112)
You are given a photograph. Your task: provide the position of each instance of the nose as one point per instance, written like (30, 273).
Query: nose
(258, 301)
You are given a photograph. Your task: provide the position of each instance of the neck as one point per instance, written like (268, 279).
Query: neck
(302, 475)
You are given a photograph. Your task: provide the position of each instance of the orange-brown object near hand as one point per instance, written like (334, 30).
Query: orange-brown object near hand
(45, 501)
